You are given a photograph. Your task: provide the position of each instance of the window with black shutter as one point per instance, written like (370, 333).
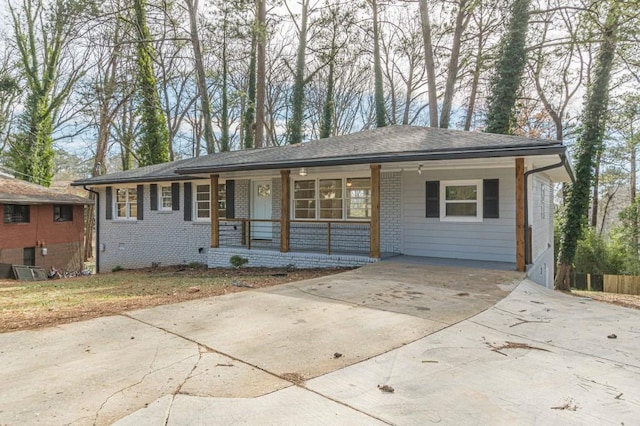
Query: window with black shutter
(433, 198)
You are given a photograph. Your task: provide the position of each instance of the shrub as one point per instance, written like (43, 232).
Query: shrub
(197, 265)
(238, 261)
(117, 269)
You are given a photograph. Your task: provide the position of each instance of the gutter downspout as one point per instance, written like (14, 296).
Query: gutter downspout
(563, 162)
(98, 225)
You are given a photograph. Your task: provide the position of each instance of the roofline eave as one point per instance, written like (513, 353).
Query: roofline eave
(388, 158)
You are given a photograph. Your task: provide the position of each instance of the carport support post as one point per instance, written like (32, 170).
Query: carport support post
(374, 232)
(285, 201)
(520, 237)
(215, 223)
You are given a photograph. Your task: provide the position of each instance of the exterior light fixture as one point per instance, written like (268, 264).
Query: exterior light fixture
(303, 171)
(419, 169)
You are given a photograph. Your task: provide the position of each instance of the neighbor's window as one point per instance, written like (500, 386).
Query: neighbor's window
(203, 201)
(126, 203)
(332, 199)
(166, 197)
(461, 200)
(63, 213)
(15, 213)
(358, 198)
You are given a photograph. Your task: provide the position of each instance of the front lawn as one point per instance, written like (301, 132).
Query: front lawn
(28, 305)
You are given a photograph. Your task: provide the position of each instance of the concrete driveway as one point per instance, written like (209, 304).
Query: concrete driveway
(235, 359)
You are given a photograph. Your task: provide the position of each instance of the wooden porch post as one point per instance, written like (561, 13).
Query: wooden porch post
(285, 203)
(374, 232)
(520, 242)
(215, 224)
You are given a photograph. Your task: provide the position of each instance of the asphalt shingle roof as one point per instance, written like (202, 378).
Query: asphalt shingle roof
(383, 145)
(16, 191)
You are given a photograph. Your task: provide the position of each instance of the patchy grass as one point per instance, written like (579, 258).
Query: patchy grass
(626, 300)
(28, 305)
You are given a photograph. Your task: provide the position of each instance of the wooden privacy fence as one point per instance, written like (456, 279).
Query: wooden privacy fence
(621, 284)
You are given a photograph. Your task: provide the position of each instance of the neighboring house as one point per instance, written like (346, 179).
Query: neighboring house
(346, 200)
(40, 226)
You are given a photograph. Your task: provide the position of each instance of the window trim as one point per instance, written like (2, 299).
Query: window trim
(478, 183)
(344, 198)
(69, 206)
(128, 203)
(161, 199)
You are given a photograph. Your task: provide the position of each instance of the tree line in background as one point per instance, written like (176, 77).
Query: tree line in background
(99, 86)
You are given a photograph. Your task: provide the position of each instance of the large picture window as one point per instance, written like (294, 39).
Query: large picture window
(15, 213)
(203, 202)
(461, 200)
(126, 203)
(332, 199)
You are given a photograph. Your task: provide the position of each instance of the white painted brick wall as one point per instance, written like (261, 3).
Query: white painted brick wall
(220, 257)
(390, 212)
(162, 237)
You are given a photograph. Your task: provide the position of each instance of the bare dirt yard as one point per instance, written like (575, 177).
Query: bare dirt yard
(29, 305)
(626, 300)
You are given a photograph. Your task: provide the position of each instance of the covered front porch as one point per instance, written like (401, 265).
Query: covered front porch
(339, 226)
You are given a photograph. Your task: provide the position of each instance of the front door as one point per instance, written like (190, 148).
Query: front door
(261, 196)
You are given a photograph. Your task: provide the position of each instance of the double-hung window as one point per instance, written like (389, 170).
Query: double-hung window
(330, 192)
(126, 203)
(358, 198)
(332, 199)
(304, 199)
(461, 200)
(166, 197)
(203, 201)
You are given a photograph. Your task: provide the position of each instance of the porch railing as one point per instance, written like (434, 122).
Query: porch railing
(327, 236)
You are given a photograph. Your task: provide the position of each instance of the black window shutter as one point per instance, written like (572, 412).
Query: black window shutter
(140, 190)
(491, 199)
(231, 207)
(108, 205)
(433, 198)
(175, 196)
(153, 191)
(187, 201)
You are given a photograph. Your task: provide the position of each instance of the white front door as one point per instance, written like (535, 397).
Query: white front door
(261, 209)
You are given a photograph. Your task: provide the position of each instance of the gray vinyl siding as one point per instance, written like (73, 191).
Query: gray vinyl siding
(491, 239)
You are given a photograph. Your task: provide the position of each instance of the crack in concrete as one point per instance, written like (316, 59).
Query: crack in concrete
(142, 379)
(209, 349)
(201, 350)
(549, 343)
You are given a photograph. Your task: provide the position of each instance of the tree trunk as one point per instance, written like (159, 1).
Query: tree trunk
(595, 196)
(328, 108)
(505, 84)
(429, 63)
(261, 73)
(249, 115)
(224, 137)
(474, 84)
(588, 146)
(297, 98)
(452, 74)
(381, 112)
(203, 93)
